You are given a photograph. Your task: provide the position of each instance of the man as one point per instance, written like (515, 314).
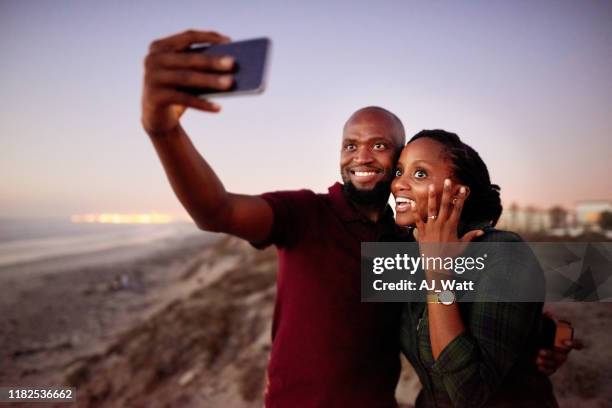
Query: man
(329, 349)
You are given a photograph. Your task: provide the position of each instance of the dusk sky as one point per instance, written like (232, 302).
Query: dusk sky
(527, 84)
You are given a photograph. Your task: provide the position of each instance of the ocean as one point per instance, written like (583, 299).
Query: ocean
(32, 240)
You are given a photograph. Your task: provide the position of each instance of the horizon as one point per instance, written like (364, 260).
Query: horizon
(166, 218)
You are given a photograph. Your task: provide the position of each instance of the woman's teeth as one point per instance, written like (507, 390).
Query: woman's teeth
(403, 203)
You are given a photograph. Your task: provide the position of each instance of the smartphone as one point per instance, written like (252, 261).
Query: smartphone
(251, 59)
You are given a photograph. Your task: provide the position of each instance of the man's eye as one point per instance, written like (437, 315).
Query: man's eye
(420, 174)
(398, 173)
(349, 147)
(380, 146)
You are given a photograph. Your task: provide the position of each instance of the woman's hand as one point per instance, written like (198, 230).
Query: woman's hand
(441, 225)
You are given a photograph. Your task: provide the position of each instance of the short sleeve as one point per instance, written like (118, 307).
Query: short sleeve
(292, 211)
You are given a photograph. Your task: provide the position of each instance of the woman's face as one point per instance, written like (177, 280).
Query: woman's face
(422, 162)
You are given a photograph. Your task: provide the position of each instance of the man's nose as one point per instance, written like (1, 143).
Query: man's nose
(363, 156)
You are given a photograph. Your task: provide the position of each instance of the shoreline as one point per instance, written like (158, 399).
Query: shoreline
(59, 310)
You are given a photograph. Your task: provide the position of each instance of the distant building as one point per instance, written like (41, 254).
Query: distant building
(556, 221)
(559, 217)
(588, 213)
(528, 219)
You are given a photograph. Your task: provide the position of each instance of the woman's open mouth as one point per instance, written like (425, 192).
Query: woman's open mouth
(403, 203)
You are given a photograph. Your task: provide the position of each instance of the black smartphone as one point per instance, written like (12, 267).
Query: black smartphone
(251, 60)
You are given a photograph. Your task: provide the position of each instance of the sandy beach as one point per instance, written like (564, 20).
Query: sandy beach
(56, 311)
(187, 324)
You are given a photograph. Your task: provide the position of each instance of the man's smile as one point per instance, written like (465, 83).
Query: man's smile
(365, 174)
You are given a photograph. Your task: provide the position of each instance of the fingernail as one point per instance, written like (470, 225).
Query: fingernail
(215, 106)
(225, 81)
(447, 183)
(462, 190)
(226, 62)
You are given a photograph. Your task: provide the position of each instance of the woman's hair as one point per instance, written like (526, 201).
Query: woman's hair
(483, 203)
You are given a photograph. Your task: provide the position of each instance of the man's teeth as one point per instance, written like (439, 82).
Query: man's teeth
(365, 173)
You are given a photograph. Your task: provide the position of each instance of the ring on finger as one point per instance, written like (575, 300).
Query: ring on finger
(432, 217)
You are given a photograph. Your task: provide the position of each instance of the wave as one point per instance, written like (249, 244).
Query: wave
(102, 238)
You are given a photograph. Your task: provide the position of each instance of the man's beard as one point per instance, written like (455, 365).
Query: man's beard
(379, 195)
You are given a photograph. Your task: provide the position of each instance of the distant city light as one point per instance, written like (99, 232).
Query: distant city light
(114, 218)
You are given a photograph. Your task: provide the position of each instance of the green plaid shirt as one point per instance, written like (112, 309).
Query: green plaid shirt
(492, 363)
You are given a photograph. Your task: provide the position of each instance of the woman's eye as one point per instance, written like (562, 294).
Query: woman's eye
(420, 174)
(398, 173)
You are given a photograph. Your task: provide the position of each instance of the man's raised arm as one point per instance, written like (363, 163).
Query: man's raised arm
(194, 182)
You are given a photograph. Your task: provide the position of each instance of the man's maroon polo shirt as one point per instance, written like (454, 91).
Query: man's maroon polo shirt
(328, 348)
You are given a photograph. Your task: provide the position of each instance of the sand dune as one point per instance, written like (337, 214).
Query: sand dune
(191, 328)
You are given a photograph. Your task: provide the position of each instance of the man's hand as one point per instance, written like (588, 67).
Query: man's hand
(549, 360)
(168, 68)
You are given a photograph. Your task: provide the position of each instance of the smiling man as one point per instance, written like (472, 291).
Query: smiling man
(328, 348)
(372, 139)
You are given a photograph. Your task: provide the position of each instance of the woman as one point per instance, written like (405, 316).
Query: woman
(467, 354)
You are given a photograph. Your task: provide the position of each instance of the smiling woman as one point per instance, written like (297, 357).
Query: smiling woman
(415, 173)
(466, 354)
(435, 156)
